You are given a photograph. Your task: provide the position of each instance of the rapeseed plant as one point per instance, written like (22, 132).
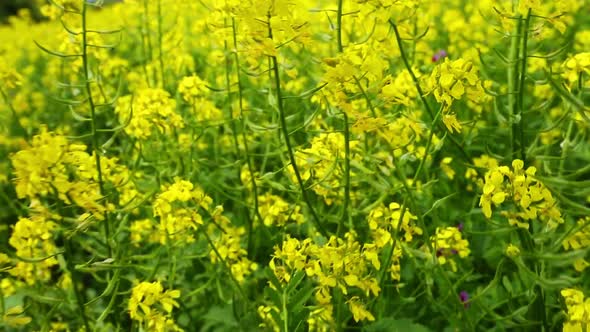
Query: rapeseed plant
(294, 165)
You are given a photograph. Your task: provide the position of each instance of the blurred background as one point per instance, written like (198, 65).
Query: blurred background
(11, 7)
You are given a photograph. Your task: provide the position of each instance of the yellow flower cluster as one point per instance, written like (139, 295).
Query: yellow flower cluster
(148, 109)
(177, 209)
(385, 220)
(322, 163)
(194, 91)
(401, 89)
(575, 66)
(448, 242)
(578, 311)
(142, 231)
(404, 135)
(9, 77)
(56, 8)
(454, 80)
(288, 21)
(268, 321)
(367, 64)
(342, 263)
(53, 166)
(227, 240)
(192, 88)
(32, 238)
(275, 211)
(579, 240)
(14, 317)
(532, 199)
(483, 162)
(152, 307)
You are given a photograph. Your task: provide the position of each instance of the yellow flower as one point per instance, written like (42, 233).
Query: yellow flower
(532, 198)
(227, 240)
(177, 210)
(152, 306)
(358, 310)
(452, 80)
(576, 65)
(448, 243)
(275, 211)
(13, 317)
(147, 111)
(268, 319)
(33, 238)
(451, 122)
(512, 250)
(579, 240)
(444, 165)
(578, 310)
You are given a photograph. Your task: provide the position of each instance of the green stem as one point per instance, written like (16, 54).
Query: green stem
(428, 144)
(513, 93)
(431, 249)
(225, 265)
(2, 304)
(346, 204)
(80, 299)
(91, 104)
(366, 96)
(339, 26)
(565, 147)
(15, 119)
(345, 208)
(160, 47)
(285, 313)
(421, 93)
(285, 132)
(245, 137)
(525, 33)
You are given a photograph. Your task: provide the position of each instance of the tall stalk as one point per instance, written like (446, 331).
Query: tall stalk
(345, 208)
(160, 46)
(523, 59)
(93, 125)
(284, 130)
(516, 81)
(427, 107)
(513, 82)
(244, 135)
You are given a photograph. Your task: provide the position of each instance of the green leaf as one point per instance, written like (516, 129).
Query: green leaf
(219, 319)
(395, 325)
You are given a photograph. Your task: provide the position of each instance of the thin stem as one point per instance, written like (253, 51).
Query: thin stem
(225, 265)
(422, 224)
(245, 136)
(409, 69)
(160, 36)
(15, 119)
(421, 93)
(513, 94)
(285, 313)
(285, 131)
(346, 203)
(345, 208)
(428, 144)
(366, 96)
(525, 32)
(80, 299)
(93, 125)
(565, 148)
(339, 26)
